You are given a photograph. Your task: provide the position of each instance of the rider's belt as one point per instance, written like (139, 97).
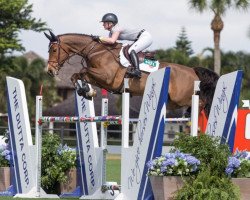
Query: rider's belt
(140, 34)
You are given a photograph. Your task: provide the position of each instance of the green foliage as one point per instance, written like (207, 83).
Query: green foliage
(183, 45)
(212, 182)
(244, 170)
(114, 170)
(172, 55)
(218, 7)
(56, 160)
(232, 61)
(207, 149)
(15, 16)
(33, 75)
(210, 187)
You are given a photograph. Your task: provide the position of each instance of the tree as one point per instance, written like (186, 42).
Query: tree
(172, 55)
(219, 8)
(232, 61)
(15, 15)
(183, 44)
(33, 75)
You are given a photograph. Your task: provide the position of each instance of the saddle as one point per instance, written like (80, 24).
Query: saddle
(141, 55)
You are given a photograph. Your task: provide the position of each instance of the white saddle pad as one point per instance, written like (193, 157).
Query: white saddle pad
(147, 65)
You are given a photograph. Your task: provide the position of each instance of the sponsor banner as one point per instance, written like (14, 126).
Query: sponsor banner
(223, 115)
(20, 136)
(242, 135)
(89, 176)
(148, 138)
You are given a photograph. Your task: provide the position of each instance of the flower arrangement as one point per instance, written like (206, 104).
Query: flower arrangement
(5, 154)
(67, 154)
(57, 159)
(173, 164)
(239, 165)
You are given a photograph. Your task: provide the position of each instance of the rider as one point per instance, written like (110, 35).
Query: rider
(141, 38)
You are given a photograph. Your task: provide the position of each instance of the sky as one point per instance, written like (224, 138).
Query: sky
(162, 18)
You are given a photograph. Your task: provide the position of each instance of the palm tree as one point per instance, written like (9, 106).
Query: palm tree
(219, 8)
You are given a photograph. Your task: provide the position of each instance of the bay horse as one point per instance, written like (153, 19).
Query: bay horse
(105, 71)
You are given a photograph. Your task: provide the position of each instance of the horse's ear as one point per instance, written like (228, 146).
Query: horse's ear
(53, 37)
(47, 36)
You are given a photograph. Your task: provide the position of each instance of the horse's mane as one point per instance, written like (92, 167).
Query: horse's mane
(72, 34)
(208, 83)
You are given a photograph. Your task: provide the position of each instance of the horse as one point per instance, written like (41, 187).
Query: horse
(105, 71)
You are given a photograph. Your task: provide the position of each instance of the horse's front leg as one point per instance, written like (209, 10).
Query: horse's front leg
(74, 79)
(83, 89)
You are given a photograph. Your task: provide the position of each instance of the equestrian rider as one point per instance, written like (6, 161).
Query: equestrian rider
(141, 38)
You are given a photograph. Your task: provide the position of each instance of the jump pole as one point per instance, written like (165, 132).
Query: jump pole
(103, 142)
(125, 115)
(195, 109)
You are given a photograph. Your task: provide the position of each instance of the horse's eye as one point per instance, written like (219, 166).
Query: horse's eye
(54, 50)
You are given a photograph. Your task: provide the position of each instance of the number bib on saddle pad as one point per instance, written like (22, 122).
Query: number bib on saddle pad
(146, 64)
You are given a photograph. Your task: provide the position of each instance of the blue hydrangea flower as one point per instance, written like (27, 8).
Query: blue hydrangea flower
(192, 160)
(169, 155)
(175, 163)
(163, 169)
(169, 162)
(229, 170)
(233, 162)
(5, 152)
(150, 164)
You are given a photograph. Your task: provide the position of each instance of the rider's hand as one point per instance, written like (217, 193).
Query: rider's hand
(95, 38)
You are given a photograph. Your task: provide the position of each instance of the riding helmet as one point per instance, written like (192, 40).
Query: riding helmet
(110, 17)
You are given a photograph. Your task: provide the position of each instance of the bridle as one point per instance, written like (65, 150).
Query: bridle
(59, 47)
(58, 63)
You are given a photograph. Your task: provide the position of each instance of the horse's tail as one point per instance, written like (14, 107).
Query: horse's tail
(208, 83)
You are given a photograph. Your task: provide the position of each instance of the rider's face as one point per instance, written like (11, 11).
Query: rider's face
(107, 25)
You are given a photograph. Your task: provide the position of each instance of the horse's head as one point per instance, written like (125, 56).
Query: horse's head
(57, 55)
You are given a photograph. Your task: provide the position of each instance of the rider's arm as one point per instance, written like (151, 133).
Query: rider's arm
(112, 39)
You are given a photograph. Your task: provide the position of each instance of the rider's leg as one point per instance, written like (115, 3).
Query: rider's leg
(135, 61)
(144, 41)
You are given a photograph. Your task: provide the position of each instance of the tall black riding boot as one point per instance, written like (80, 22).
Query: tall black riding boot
(135, 61)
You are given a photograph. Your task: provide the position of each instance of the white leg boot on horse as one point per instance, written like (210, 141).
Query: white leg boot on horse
(135, 61)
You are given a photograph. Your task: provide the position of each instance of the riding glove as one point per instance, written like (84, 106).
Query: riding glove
(95, 38)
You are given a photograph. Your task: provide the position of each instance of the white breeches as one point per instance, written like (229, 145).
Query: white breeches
(144, 41)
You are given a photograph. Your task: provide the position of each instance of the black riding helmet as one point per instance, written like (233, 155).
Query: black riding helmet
(110, 17)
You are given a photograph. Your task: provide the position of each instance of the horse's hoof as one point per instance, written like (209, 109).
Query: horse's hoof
(80, 92)
(87, 97)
